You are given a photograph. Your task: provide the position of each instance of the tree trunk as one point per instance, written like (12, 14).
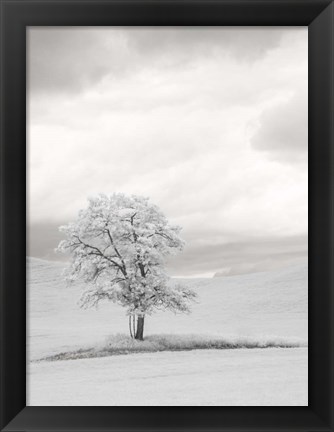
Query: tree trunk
(140, 328)
(134, 325)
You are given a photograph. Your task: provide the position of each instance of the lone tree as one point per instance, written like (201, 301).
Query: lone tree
(118, 245)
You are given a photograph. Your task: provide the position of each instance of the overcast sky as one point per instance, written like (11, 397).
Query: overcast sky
(210, 123)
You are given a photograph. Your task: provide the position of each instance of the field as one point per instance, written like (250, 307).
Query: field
(257, 307)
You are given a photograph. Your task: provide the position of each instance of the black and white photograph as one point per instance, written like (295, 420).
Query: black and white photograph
(167, 216)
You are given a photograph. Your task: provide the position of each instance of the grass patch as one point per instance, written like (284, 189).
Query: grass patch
(121, 344)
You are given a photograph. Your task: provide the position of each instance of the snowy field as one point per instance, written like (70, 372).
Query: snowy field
(269, 305)
(273, 376)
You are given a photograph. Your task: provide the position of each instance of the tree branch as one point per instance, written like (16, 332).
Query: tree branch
(117, 252)
(99, 253)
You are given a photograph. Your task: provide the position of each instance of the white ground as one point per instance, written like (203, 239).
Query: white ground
(273, 376)
(269, 305)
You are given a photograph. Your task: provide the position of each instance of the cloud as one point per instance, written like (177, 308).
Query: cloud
(42, 240)
(70, 60)
(283, 131)
(181, 116)
(204, 253)
(65, 60)
(241, 256)
(243, 43)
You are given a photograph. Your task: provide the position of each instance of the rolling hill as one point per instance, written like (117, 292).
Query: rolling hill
(258, 306)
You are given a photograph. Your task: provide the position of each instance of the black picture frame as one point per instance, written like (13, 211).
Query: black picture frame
(16, 15)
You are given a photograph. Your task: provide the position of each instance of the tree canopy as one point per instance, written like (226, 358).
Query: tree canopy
(118, 245)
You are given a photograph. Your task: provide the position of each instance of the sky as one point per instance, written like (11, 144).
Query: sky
(209, 123)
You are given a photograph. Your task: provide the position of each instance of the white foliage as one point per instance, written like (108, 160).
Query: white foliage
(118, 245)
